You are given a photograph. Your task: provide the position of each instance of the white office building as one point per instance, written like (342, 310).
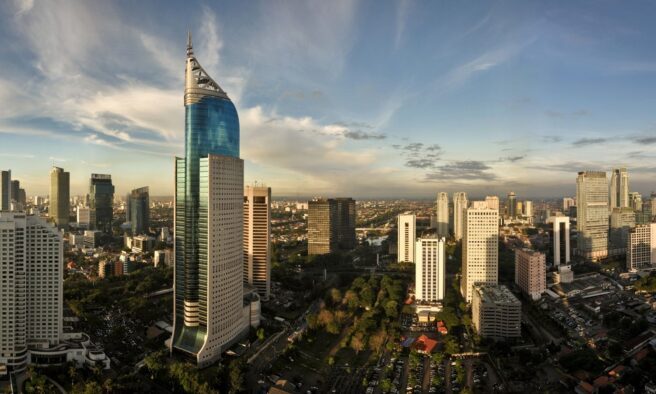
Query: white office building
(407, 235)
(492, 202)
(592, 215)
(619, 188)
(480, 248)
(560, 239)
(430, 261)
(641, 248)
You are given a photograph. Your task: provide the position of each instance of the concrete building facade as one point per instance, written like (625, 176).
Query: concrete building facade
(531, 272)
(480, 248)
(641, 247)
(496, 312)
(407, 236)
(257, 239)
(592, 215)
(430, 262)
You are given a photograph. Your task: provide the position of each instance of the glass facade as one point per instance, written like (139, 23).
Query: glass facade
(211, 127)
(101, 201)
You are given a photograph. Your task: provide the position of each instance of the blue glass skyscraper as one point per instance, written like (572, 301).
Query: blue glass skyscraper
(208, 226)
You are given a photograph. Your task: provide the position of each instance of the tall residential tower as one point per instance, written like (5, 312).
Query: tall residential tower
(407, 236)
(619, 188)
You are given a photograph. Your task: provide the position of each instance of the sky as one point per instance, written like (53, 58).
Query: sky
(370, 99)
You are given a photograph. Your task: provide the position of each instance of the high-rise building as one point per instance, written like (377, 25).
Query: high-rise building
(101, 201)
(442, 214)
(560, 240)
(208, 222)
(496, 312)
(85, 218)
(430, 273)
(5, 190)
(519, 208)
(139, 204)
(480, 248)
(492, 202)
(331, 225)
(568, 202)
(321, 232)
(528, 209)
(32, 287)
(635, 201)
(531, 272)
(15, 190)
(407, 236)
(257, 235)
(511, 205)
(622, 220)
(345, 223)
(619, 188)
(652, 204)
(641, 247)
(460, 204)
(592, 214)
(60, 193)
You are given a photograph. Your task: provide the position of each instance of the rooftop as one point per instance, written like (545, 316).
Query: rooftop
(496, 294)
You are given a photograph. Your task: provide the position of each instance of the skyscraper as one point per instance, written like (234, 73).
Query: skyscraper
(15, 188)
(592, 214)
(511, 205)
(492, 202)
(619, 188)
(101, 201)
(560, 239)
(459, 207)
(531, 272)
(32, 287)
(430, 260)
(60, 206)
(321, 232)
(257, 234)
(407, 236)
(622, 220)
(208, 222)
(568, 202)
(139, 204)
(635, 201)
(331, 225)
(442, 214)
(345, 223)
(5, 190)
(528, 209)
(480, 248)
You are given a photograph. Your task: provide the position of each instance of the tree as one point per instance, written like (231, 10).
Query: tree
(108, 385)
(377, 340)
(392, 309)
(260, 334)
(357, 342)
(367, 296)
(351, 299)
(335, 296)
(237, 379)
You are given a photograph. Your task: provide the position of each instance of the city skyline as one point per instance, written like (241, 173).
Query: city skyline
(490, 105)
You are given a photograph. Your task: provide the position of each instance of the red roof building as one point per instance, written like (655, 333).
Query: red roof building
(425, 345)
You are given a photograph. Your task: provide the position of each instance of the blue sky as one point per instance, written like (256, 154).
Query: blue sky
(361, 98)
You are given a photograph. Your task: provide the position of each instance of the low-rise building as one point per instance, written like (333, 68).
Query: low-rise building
(496, 312)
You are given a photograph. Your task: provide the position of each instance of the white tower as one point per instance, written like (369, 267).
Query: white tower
(430, 269)
(480, 248)
(407, 234)
(442, 214)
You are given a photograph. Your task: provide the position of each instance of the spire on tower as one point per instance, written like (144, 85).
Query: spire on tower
(190, 48)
